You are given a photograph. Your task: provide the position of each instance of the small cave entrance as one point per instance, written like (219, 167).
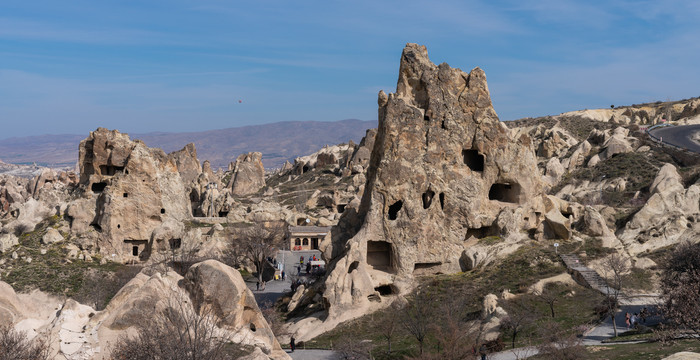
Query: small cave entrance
(126, 195)
(223, 213)
(473, 159)
(428, 198)
(505, 192)
(394, 209)
(341, 208)
(301, 221)
(442, 201)
(175, 243)
(138, 248)
(305, 169)
(110, 170)
(385, 290)
(481, 232)
(353, 266)
(379, 254)
(98, 187)
(427, 268)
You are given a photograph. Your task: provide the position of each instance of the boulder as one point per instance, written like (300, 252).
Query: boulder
(7, 241)
(52, 236)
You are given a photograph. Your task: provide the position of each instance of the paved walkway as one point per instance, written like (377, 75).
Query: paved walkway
(276, 288)
(313, 355)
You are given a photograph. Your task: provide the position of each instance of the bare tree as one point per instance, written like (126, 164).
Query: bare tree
(178, 332)
(15, 345)
(387, 325)
(519, 316)
(417, 315)
(681, 288)
(258, 243)
(614, 267)
(557, 344)
(549, 296)
(350, 349)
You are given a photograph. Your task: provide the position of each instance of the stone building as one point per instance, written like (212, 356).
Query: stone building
(307, 237)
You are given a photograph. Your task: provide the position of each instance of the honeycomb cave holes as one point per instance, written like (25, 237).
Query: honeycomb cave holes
(428, 198)
(473, 159)
(505, 192)
(394, 209)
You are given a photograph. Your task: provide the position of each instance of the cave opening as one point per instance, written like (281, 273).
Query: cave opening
(473, 159)
(505, 192)
(394, 209)
(428, 198)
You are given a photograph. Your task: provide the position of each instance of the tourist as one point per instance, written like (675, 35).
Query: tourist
(643, 314)
(292, 343)
(634, 320)
(257, 286)
(298, 270)
(308, 268)
(283, 275)
(301, 260)
(627, 319)
(482, 351)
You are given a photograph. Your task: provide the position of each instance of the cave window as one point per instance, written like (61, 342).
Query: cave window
(126, 195)
(473, 159)
(175, 243)
(135, 250)
(442, 201)
(98, 187)
(379, 254)
(110, 170)
(430, 268)
(443, 125)
(428, 198)
(252, 327)
(223, 213)
(301, 221)
(305, 242)
(162, 211)
(297, 241)
(341, 208)
(505, 192)
(353, 266)
(119, 226)
(305, 169)
(426, 117)
(481, 232)
(394, 209)
(384, 290)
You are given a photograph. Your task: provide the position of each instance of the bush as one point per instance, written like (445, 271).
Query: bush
(15, 345)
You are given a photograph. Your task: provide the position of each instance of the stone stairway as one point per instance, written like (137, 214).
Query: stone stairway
(585, 275)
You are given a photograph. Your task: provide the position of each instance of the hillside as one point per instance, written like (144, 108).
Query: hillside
(278, 142)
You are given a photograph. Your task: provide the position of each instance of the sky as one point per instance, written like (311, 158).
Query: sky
(68, 67)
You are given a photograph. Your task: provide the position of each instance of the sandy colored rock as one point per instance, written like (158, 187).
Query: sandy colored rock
(684, 355)
(248, 174)
(52, 236)
(441, 168)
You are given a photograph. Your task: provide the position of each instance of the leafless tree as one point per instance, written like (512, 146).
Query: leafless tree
(387, 325)
(557, 344)
(417, 316)
(350, 349)
(15, 345)
(258, 243)
(549, 296)
(614, 267)
(520, 314)
(680, 283)
(178, 332)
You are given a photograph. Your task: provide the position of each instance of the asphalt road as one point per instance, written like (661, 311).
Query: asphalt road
(679, 136)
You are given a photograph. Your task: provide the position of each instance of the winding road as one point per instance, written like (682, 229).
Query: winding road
(680, 136)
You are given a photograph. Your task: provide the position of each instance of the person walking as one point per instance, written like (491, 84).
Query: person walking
(283, 275)
(627, 319)
(482, 351)
(257, 286)
(292, 343)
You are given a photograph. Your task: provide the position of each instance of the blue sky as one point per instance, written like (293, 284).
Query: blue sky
(157, 65)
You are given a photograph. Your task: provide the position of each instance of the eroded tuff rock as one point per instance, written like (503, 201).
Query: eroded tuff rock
(671, 215)
(442, 169)
(248, 174)
(133, 189)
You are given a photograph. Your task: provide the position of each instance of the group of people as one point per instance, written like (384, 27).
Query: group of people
(633, 320)
(310, 269)
(298, 282)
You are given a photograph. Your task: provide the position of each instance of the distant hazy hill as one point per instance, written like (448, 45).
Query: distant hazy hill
(278, 142)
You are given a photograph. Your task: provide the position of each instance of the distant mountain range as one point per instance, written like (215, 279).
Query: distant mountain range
(277, 142)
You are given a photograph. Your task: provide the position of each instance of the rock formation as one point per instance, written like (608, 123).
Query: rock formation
(248, 174)
(133, 190)
(442, 170)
